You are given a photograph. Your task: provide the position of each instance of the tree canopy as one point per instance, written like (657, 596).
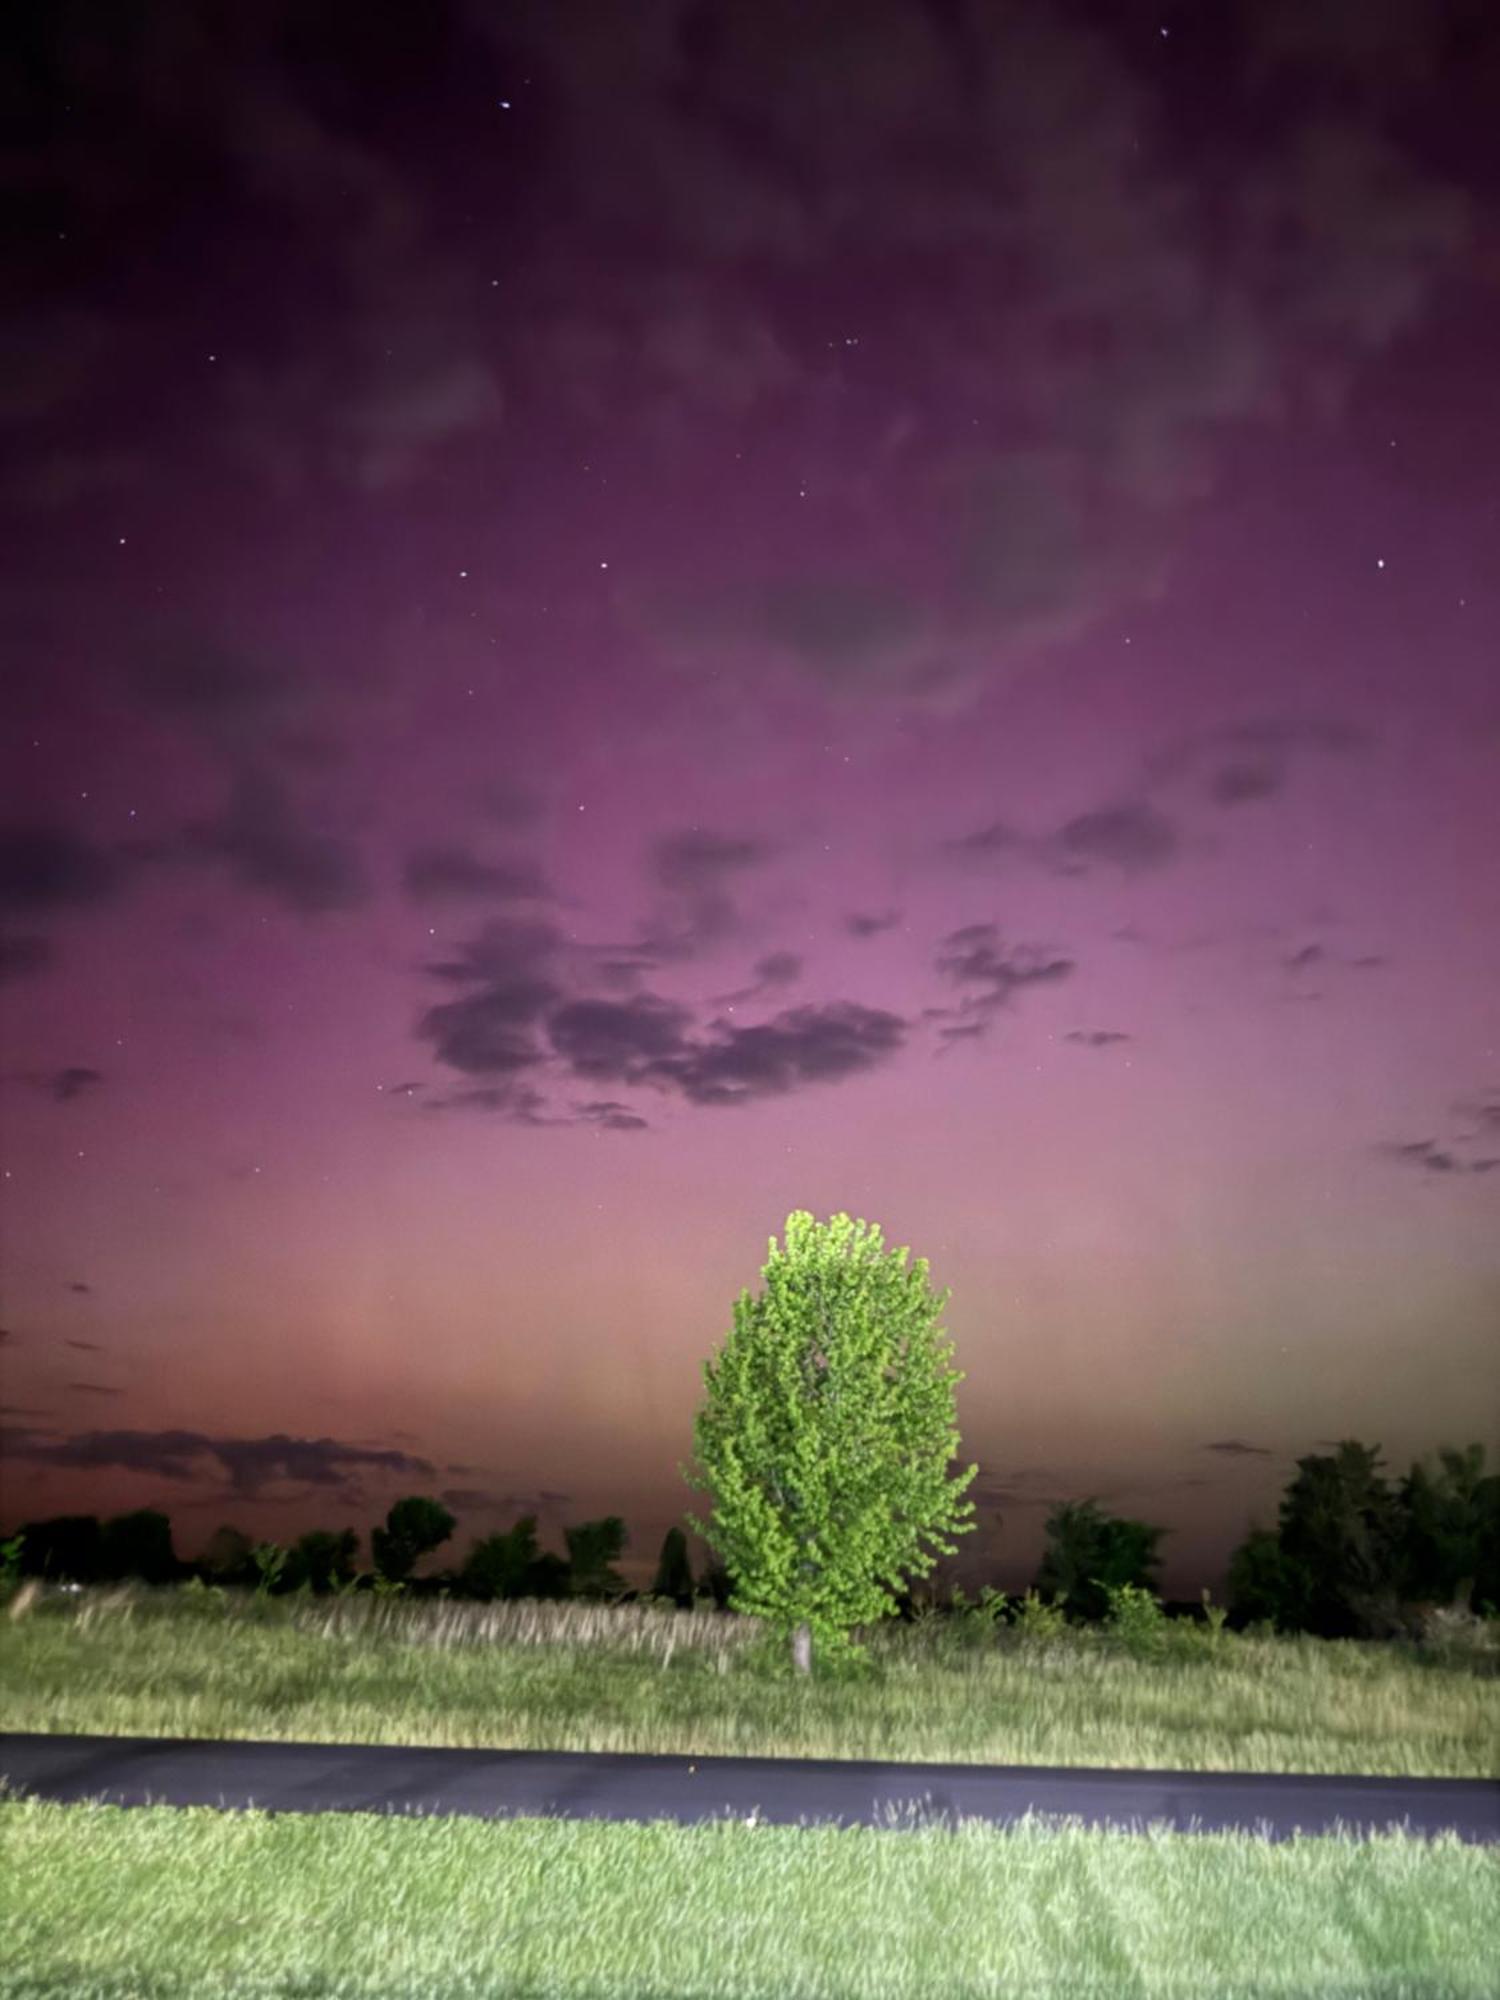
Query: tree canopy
(826, 1435)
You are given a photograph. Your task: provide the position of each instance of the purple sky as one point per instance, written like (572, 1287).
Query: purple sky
(627, 619)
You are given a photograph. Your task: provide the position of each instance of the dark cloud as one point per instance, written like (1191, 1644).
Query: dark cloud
(1433, 1158)
(7, 1334)
(617, 1038)
(491, 1031)
(95, 1389)
(1244, 762)
(44, 868)
(249, 1464)
(223, 692)
(975, 955)
(612, 1115)
(402, 1089)
(21, 1410)
(772, 971)
(836, 628)
(1096, 1038)
(805, 1045)
(646, 1040)
(85, 1346)
(270, 848)
(1238, 784)
(1237, 1448)
(866, 924)
(1310, 954)
(455, 874)
(1132, 837)
(695, 858)
(23, 956)
(77, 1285)
(74, 1081)
(1108, 281)
(989, 842)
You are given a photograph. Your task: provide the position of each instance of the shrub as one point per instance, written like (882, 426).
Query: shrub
(1136, 1621)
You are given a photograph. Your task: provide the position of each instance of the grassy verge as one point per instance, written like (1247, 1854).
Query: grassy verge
(157, 1904)
(637, 1678)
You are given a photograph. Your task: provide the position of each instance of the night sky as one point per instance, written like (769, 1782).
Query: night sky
(625, 618)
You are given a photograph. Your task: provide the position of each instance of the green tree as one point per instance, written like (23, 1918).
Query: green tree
(1340, 1528)
(826, 1436)
(1449, 1509)
(674, 1571)
(413, 1528)
(1090, 1553)
(594, 1547)
(1264, 1586)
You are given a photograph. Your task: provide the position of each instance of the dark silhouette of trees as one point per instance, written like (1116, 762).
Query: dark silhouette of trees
(321, 1559)
(1353, 1557)
(593, 1549)
(414, 1527)
(717, 1585)
(498, 1565)
(1089, 1553)
(1450, 1531)
(227, 1557)
(1263, 1588)
(67, 1548)
(674, 1571)
(139, 1545)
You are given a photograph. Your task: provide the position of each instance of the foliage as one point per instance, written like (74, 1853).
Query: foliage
(593, 1549)
(140, 1545)
(1038, 1621)
(10, 1563)
(1351, 1556)
(1136, 1621)
(498, 1565)
(321, 1559)
(200, 1595)
(227, 1557)
(1090, 1553)
(269, 1559)
(674, 1571)
(1450, 1545)
(414, 1527)
(68, 1547)
(826, 1435)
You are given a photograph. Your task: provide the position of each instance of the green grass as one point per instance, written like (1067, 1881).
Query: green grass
(638, 1678)
(156, 1904)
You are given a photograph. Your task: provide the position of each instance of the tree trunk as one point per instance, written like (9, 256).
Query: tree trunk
(802, 1649)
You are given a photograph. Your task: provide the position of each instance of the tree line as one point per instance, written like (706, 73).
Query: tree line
(1353, 1554)
(138, 1546)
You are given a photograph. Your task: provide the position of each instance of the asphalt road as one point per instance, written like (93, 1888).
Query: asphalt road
(493, 1784)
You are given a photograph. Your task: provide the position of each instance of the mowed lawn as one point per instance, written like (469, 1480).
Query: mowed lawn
(642, 1678)
(157, 1903)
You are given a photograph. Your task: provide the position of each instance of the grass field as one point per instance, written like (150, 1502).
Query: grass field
(581, 1677)
(156, 1904)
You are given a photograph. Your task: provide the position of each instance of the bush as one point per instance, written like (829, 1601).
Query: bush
(1137, 1622)
(1038, 1622)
